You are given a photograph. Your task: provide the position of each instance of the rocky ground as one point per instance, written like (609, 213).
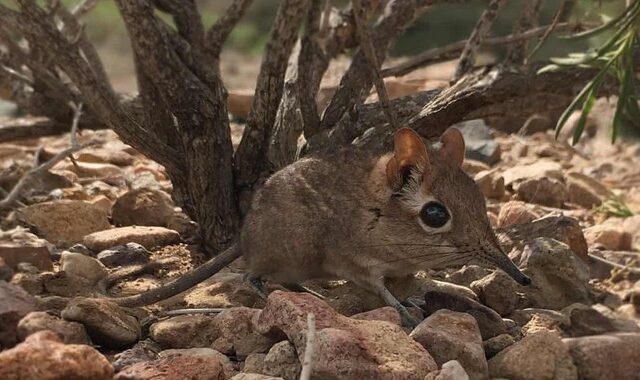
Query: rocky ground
(569, 216)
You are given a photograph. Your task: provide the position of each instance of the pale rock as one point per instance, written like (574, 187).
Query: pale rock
(106, 323)
(149, 237)
(537, 356)
(451, 370)
(540, 169)
(78, 265)
(606, 357)
(586, 191)
(94, 170)
(42, 356)
(610, 235)
(544, 191)
(254, 363)
(142, 207)
(345, 347)
(115, 157)
(450, 335)
(143, 351)
(102, 202)
(185, 331)
(489, 322)
(473, 167)
(64, 222)
(498, 291)
(237, 334)
(282, 361)
(631, 226)
(467, 274)
(515, 212)
(70, 332)
(558, 276)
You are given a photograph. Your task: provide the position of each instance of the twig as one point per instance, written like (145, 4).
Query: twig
(366, 45)
(616, 265)
(307, 362)
(468, 56)
(73, 135)
(517, 52)
(554, 24)
(38, 169)
(204, 310)
(218, 33)
(451, 50)
(83, 7)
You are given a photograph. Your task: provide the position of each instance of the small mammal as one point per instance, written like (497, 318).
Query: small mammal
(361, 218)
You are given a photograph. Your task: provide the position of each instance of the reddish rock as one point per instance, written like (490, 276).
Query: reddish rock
(44, 357)
(71, 332)
(606, 357)
(386, 313)
(175, 368)
(15, 303)
(64, 222)
(142, 207)
(345, 347)
(37, 256)
(515, 212)
(149, 237)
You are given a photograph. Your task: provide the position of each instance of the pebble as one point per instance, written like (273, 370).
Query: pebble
(149, 237)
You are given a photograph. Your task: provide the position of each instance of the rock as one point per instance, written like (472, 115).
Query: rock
(78, 265)
(561, 228)
(149, 237)
(185, 331)
(515, 212)
(450, 335)
(451, 370)
(282, 361)
(543, 168)
(386, 313)
(106, 323)
(143, 351)
(110, 156)
(489, 322)
(496, 344)
(32, 283)
(14, 305)
(174, 368)
(70, 332)
(344, 346)
(586, 191)
(142, 207)
(479, 142)
(254, 363)
(106, 172)
(491, 184)
(122, 255)
(61, 284)
(544, 191)
(43, 357)
(64, 222)
(541, 322)
(6, 272)
(537, 356)
(609, 356)
(473, 167)
(467, 274)
(237, 335)
(102, 202)
(239, 102)
(558, 276)
(607, 235)
(631, 226)
(254, 376)
(587, 321)
(38, 256)
(203, 352)
(498, 291)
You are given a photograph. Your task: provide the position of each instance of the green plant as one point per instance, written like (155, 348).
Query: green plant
(614, 58)
(614, 206)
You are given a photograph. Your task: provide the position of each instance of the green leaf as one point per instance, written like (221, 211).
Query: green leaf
(586, 109)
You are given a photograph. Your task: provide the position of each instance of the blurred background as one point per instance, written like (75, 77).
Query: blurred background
(444, 24)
